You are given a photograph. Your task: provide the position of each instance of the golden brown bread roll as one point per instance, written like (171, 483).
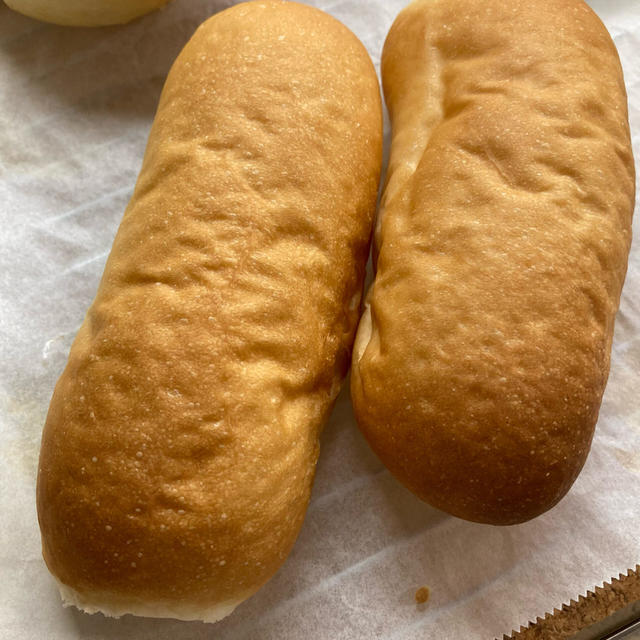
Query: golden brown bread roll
(180, 446)
(483, 352)
(85, 13)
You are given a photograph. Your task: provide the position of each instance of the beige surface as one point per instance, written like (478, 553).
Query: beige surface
(180, 445)
(85, 13)
(484, 351)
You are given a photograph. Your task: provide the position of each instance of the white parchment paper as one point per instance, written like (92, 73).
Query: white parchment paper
(75, 110)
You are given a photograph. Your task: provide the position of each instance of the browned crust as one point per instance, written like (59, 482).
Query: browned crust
(483, 353)
(180, 445)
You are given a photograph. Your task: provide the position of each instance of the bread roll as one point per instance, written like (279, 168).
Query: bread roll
(483, 352)
(181, 441)
(85, 13)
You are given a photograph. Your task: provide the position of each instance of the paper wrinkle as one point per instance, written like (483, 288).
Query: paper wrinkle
(75, 111)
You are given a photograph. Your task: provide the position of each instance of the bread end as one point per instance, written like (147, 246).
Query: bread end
(116, 607)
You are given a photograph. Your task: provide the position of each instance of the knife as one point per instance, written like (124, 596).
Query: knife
(609, 612)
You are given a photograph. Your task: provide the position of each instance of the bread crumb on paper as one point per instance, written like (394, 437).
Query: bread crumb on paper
(422, 595)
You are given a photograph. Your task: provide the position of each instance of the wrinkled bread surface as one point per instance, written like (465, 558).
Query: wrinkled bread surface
(501, 249)
(180, 445)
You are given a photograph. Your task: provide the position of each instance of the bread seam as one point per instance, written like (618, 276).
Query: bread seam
(112, 607)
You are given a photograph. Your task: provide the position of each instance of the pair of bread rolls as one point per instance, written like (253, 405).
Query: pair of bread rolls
(180, 446)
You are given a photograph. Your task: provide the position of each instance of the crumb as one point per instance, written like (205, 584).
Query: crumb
(422, 595)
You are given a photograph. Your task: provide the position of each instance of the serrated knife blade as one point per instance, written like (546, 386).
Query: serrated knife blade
(609, 612)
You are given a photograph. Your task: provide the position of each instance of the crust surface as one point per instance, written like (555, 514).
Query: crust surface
(502, 246)
(85, 13)
(180, 445)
